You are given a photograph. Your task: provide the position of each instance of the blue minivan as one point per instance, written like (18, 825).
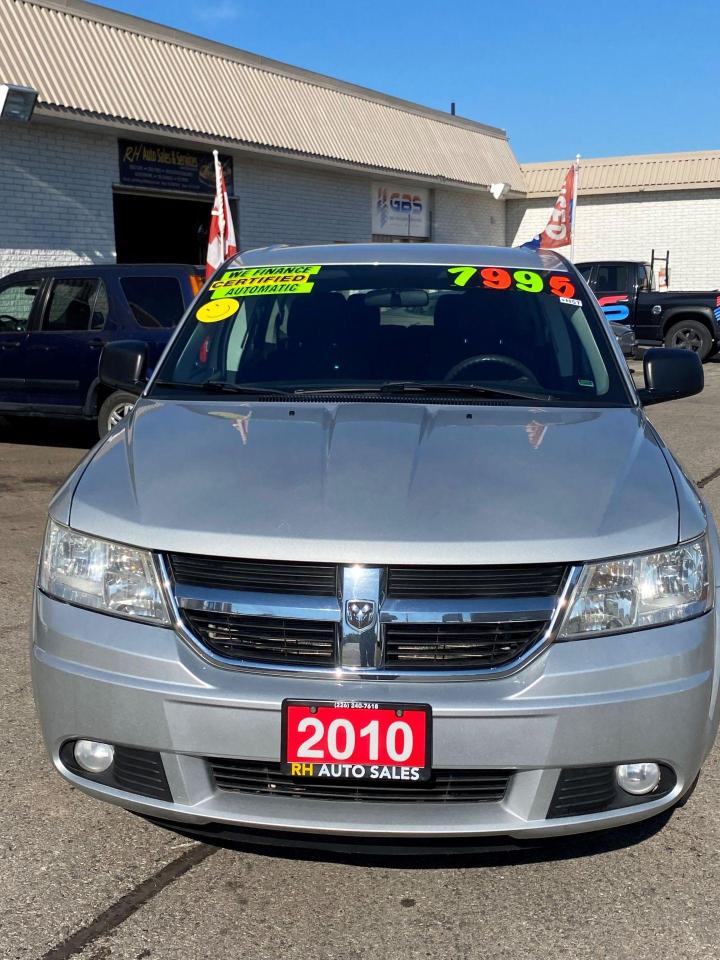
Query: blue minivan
(55, 321)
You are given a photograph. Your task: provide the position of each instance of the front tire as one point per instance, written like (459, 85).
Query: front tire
(690, 335)
(114, 409)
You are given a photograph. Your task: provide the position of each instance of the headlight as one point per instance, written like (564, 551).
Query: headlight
(101, 575)
(642, 591)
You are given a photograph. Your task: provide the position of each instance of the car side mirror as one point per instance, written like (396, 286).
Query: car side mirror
(670, 374)
(123, 365)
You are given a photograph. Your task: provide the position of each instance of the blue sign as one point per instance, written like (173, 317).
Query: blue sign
(161, 167)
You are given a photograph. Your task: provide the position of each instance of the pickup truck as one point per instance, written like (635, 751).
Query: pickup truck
(679, 318)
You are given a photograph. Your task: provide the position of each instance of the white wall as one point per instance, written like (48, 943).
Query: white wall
(296, 203)
(55, 196)
(629, 225)
(463, 216)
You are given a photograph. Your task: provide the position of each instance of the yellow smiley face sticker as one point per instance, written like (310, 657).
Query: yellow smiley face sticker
(217, 310)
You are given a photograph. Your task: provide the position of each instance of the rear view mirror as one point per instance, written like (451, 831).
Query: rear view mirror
(397, 298)
(123, 365)
(670, 374)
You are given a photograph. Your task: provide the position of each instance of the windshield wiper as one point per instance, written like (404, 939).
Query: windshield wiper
(470, 389)
(221, 386)
(429, 387)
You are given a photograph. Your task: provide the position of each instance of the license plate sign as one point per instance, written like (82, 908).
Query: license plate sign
(352, 740)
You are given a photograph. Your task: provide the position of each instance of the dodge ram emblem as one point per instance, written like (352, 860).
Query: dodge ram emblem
(360, 614)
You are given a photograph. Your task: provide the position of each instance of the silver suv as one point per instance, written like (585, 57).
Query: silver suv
(387, 548)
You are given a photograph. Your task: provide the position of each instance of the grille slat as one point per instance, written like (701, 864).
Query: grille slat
(447, 786)
(409, 645)
(404, 582)
(262, 576)
(265, 639)
(415, 582)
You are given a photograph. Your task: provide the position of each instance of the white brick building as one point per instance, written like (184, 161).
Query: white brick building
(628, 206)
(309, 155)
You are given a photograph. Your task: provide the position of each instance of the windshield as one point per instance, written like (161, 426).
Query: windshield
(308, 328)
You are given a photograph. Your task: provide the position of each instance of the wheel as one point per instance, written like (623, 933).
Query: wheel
(690, 335)
(115, 407)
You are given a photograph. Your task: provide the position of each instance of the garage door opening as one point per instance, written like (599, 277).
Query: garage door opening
(150, 229)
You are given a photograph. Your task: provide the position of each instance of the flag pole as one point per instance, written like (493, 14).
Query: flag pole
(219, 196)
(576, 181)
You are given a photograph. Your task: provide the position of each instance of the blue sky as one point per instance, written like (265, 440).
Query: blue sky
(562, 78)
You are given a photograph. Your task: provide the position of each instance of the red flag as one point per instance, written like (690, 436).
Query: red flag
(221, 239)
(558, 232)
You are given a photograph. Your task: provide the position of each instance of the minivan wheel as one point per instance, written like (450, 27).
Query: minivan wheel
(690, 335)
(117, 406)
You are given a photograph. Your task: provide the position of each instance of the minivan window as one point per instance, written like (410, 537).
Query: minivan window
(16, 303)
(70, 305)
(352, 327)
(154, 301)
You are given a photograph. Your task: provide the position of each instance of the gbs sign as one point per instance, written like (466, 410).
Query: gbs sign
(406, 203)
(399, 212)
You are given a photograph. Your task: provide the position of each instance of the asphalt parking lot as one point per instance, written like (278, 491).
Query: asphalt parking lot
(82, 879)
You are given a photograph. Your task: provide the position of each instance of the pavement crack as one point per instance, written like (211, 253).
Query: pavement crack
(709, 478)
(127, 905)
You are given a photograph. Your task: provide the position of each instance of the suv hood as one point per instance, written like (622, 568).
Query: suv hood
(381, 482)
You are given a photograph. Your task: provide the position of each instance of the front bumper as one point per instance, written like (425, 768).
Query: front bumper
(649, 695)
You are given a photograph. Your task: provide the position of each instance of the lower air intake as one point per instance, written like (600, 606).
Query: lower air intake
(446, 786)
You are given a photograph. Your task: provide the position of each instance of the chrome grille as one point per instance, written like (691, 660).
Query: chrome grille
(411, 635)
(265, 639)
(464, 646)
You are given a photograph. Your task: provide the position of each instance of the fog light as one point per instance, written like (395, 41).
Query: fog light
(93, 756)
(638, 778)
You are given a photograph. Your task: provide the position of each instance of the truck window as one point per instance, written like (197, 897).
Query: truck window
(612, 277)
(154, 301)
(643, 279)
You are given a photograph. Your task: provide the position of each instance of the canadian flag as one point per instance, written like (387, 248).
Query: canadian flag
(221, 239)
(558, 232)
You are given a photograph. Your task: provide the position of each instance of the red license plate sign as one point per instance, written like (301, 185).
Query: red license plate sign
(353, 740)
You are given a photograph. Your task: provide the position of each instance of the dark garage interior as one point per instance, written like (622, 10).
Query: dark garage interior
(151, 229)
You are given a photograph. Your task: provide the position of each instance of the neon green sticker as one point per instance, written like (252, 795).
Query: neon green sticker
(264, 281)
(462, 274)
